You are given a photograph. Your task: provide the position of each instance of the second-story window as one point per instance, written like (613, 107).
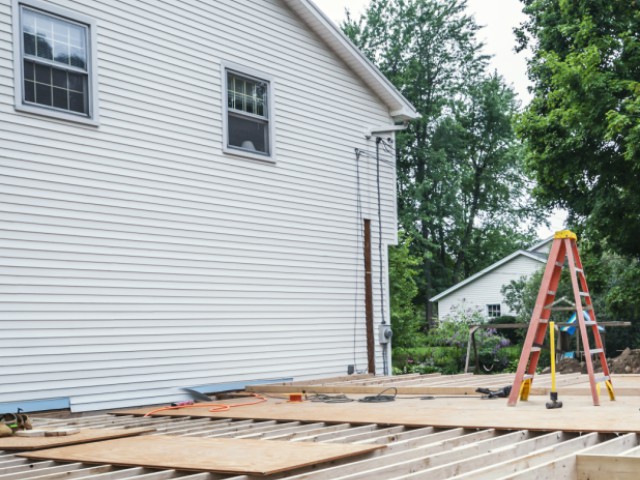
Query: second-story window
(54, 58)
(248, 114)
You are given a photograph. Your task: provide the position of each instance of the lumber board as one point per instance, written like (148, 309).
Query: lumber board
(578, 415)
(607, 467)
(462, 384)
(220, 455)
(85, 435)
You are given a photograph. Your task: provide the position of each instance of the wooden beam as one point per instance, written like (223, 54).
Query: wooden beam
(368, 298)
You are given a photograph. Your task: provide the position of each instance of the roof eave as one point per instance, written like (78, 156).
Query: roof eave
(399, 107)
(482, 273)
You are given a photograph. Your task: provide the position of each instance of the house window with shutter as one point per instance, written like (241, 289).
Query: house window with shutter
(54, 62)
(248, 115)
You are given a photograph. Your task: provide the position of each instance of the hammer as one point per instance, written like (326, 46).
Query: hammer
(554, 403)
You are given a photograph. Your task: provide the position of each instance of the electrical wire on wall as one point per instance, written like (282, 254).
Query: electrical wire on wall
(359, 219)
(385, 366)
(387, 148)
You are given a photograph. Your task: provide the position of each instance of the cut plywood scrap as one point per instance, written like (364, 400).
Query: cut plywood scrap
(222, 455)
(85, 435)
(607, 467)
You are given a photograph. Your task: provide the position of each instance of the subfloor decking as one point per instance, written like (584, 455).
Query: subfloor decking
(410, 453)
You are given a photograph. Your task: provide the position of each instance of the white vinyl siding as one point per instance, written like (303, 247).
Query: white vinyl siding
(136, 258)
(485, 290)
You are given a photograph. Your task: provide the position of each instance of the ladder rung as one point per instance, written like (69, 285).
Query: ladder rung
(593, 351)
(584, 294)
(589, 322)
(579, 270)
(543, 320)
(551, 292)
(528, 376)
(603, 379)
(559, 264)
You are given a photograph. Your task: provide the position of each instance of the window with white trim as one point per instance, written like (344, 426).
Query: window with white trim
(493, 310)
(54, 63)
(248, 112)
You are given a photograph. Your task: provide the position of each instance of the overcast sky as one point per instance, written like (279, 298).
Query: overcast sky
(498, 18)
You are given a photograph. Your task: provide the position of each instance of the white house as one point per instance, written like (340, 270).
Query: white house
(482, 290)
(186, 188)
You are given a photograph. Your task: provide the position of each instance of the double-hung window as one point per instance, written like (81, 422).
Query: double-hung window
(54, 62)
(248, 112)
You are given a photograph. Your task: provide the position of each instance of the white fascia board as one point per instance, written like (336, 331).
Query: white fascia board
(540, 244)
(399, 107)
(485, 271)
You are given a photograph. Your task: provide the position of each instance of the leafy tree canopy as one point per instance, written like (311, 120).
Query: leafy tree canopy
(582, 129)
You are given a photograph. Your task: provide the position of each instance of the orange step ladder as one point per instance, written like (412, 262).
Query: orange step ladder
(563, 247)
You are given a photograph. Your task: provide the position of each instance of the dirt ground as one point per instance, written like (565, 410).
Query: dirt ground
(627, 362)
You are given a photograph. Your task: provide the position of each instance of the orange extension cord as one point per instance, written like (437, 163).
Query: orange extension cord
(215, 407)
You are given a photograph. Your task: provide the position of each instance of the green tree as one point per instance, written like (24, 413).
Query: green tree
(461, 192)
(494, 206)
(428, 50)
(405, 319)
(582, 129)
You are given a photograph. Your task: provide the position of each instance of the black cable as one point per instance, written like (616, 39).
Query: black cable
(324, 398)
(380, 398)
(378, 141)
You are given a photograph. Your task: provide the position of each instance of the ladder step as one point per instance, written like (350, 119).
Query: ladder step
(559, 264)
(551, 292)
(602, 379)
(593, 351)
(528, 376)
(579, 270)
(584, 294)
(589, 323)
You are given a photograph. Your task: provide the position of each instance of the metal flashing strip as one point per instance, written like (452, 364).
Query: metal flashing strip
(241, 385)
(36, 405)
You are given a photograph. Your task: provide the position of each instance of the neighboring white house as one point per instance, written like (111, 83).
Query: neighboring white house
(185, 186)
(482, 290)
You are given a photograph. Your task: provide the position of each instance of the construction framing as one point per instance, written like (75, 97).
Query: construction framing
(411, 451)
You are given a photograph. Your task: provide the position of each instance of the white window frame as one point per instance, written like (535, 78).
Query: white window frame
(92, 117)
(489, 305)
(250, 73)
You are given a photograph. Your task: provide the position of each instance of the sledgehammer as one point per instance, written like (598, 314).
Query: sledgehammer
(554, 403)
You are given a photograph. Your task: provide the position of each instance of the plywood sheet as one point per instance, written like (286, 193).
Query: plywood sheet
(607, 467)
(222, 455)
(85, 435)
(579, 414)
